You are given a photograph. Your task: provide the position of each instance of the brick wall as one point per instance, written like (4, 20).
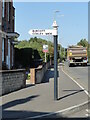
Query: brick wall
(12, 80)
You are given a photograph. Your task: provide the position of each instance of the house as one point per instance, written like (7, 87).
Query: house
(7, 34)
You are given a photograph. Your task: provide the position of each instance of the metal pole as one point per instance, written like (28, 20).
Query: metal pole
(55, 36)
(55, 69)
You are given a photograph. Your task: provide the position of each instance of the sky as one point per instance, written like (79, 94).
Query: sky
(73, 26)
(51, 0)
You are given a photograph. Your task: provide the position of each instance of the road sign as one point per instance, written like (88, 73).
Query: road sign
(42, 32)
(45, 48)
(53, 32)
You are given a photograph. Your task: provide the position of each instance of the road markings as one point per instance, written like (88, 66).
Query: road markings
(86, 115)
(53, 113)
(87, 110)
(76, 83)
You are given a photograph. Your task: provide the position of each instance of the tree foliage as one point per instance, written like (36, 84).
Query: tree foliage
(83, 42)
(37, 44)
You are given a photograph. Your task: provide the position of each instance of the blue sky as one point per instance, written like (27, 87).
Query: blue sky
(72, 27)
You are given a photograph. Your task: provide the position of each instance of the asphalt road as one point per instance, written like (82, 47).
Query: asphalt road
(79, 74)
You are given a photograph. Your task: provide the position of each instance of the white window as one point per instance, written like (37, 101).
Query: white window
(2, 49)
(3, 8)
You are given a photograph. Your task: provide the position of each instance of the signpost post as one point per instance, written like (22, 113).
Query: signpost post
(53, 32)
(45, 50)
(55, 37)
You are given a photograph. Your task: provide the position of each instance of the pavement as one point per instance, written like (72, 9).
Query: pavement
(37, 101)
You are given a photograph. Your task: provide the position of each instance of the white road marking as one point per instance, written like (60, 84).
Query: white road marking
(87, 110)
(52, 113)
(86, 115)
(76, 83)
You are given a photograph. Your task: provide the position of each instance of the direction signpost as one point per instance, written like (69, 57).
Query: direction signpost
(41, 32)
(54, 33)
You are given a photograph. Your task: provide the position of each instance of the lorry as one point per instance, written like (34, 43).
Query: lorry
(77, 55)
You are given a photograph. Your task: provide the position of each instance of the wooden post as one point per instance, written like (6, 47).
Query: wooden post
(32, 76)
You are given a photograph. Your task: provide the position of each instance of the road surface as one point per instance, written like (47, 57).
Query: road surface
(79, 74)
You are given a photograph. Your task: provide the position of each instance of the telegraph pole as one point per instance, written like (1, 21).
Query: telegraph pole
(55, 37)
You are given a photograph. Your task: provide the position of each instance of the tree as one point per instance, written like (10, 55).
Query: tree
(83, 42)
(51, 51)
(37, 44)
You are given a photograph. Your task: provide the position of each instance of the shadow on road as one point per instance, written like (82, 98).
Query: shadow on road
(72, 90)
(16, 114)
(73, 93)
(18, 102)
(28, 115)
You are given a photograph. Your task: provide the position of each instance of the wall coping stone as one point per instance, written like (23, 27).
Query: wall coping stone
(41, 66)
(10, 71)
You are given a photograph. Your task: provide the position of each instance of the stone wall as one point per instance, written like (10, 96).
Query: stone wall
(12, 80)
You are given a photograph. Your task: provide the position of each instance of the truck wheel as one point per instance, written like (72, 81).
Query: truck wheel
(84, 64)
